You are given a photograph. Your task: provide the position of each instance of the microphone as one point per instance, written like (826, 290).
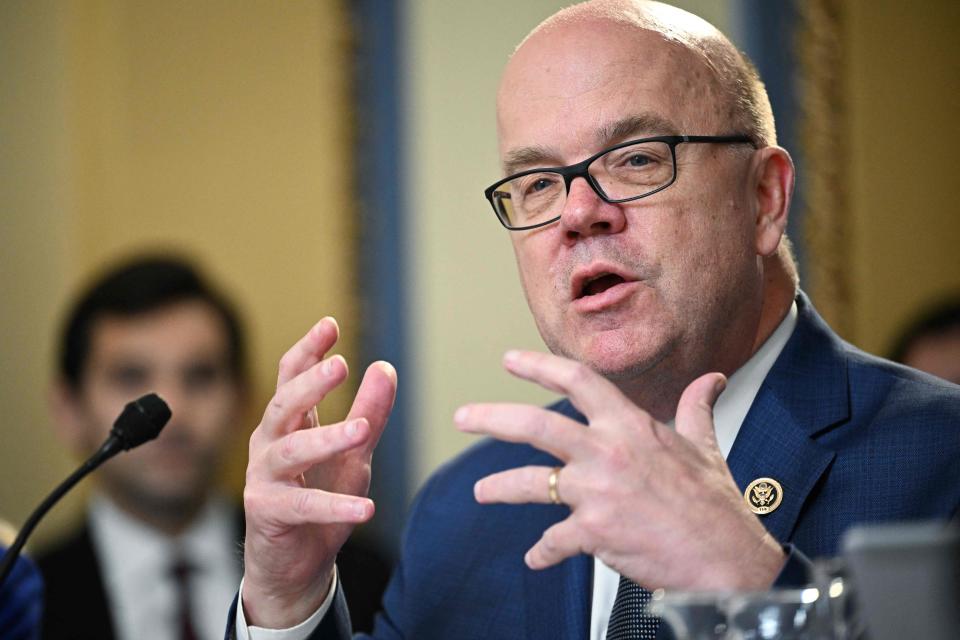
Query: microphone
(139, 422)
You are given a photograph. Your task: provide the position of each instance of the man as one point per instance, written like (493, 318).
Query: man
(158, 556)
(646, 200)
(931, 342)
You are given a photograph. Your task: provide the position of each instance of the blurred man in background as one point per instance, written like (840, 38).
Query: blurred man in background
(159, 554)
(931, 341)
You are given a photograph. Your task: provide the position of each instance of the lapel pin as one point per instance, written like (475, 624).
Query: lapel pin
(763, 495)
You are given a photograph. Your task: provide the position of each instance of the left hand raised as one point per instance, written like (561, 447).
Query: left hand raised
(656, 504)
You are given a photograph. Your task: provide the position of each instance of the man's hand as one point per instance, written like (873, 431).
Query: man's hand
(656, 504)
(306, 485)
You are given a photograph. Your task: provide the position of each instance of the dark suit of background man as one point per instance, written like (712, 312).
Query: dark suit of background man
(716, 433)
(158, 555)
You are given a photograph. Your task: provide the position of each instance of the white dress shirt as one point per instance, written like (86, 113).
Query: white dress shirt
(728, 414)
(135, 561)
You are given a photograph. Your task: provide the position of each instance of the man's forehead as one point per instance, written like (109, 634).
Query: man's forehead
(181, 327)
(584, 85)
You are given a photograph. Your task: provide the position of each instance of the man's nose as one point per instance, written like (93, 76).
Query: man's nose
(176, 398)
(586, 214)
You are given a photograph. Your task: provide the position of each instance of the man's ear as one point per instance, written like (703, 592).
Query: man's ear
(68, 415)
(773, 189)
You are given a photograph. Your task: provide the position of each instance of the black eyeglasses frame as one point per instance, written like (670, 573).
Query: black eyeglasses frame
(579, 170)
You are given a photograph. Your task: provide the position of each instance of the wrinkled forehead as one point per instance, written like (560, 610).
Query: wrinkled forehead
(567, 85)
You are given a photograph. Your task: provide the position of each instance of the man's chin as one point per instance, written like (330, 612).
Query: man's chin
(616, 360)
(168, 492)
(164, 503)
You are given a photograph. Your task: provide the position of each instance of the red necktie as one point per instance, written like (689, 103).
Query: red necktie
(181, 571)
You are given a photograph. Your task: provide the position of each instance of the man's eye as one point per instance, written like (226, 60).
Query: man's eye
(200, 376)
(639, 160)
(128, 377)
(537, 185)
(540, 185)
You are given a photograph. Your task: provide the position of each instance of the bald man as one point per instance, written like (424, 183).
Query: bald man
(715, 434)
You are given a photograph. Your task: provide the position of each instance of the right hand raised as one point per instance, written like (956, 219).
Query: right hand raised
(306, 485)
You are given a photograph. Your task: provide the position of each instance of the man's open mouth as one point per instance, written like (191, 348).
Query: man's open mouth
(599, 284)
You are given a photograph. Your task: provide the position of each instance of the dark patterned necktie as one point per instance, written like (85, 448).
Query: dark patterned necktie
(627, 619)
(181, 571)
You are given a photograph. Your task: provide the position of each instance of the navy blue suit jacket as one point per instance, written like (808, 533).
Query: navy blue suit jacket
(850, 437)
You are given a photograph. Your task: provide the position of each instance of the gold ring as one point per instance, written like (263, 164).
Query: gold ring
(553, 486)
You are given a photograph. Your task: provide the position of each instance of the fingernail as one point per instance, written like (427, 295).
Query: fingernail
(721, 385)
(330, 364)
(511, 356)
(327, 320)
(460, 417)
(352, 427)
(387, 368)
(361, 509)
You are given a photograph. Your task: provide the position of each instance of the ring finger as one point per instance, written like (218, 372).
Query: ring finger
(524, 485)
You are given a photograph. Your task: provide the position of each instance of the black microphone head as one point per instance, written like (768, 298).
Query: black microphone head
(141, 420)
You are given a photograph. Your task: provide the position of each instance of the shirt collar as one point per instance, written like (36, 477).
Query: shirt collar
(137, 549)
(742, 387)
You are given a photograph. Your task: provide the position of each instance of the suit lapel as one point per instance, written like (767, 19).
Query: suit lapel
(805, 393)
(76, 603)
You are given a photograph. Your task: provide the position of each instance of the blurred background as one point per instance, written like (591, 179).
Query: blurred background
(328, 157)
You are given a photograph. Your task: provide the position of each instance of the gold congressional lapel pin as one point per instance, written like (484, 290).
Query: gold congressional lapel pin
(763, 495)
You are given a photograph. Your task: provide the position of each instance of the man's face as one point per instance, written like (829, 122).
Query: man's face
(937, 354)
(181, 353)
(663, 284)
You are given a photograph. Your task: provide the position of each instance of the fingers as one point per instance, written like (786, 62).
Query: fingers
(557, 543)
(518, 486)
(309, 350)
(544, 429)
(293, 506)
(694, 419)
(589, 392)
(296, 397)
(374, 399)
(296, 452)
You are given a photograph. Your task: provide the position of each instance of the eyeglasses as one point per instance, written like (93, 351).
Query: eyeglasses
(627, 171)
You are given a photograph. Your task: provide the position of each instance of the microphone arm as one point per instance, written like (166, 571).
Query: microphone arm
(139, 422)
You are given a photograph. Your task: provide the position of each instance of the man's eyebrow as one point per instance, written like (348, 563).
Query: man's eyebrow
(640, 125)
(518, 159)
(618, 131)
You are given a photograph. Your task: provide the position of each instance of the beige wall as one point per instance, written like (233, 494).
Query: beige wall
(219, 128)
(903, 101)
(34, 196)
(466, 306)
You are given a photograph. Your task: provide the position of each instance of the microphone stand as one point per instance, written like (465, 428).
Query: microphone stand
(111, 447)
(140, 421)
